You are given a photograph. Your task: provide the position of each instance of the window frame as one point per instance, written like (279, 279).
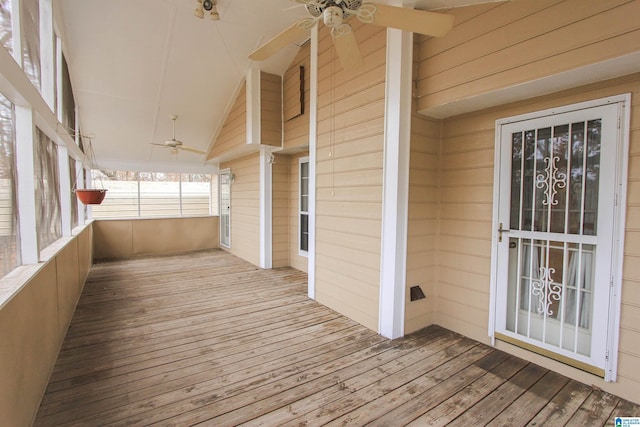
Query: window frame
(301, 212)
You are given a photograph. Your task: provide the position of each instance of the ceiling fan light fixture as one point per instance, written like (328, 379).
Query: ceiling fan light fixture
(332, 16)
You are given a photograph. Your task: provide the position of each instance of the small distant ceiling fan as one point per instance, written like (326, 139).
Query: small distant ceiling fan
(334, 13)
(175, 144)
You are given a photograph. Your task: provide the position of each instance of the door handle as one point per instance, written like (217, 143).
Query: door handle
(500, 231)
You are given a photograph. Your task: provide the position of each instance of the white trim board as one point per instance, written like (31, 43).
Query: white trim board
(395, 202)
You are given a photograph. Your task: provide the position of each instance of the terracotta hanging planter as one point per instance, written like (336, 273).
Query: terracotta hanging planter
(91, 196)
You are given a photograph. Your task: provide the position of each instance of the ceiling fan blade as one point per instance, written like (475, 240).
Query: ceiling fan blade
(290, 35)
(344, 41)
(192, 150)
(158, 144)
(416, 21)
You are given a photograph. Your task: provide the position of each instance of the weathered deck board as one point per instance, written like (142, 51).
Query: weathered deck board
(208, 338)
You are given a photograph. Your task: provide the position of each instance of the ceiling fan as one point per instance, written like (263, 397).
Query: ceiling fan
(175, 144)
(334, 13)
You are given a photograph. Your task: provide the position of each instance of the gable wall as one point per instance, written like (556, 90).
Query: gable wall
(234, 130)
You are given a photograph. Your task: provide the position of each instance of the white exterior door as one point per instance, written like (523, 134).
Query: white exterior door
(556, 182)
(225, 208)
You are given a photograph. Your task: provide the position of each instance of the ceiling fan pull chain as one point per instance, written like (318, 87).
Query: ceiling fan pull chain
(366, 13)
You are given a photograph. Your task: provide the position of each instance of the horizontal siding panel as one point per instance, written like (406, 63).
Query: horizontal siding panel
(467, 211)
(467, 28)
(363, 178)
(356, 210)
(369, 126)
(351, 148)
(233, 132)
(534, 36)
(357, 227)
(369, 161)
(471, 229)
(371, 194)
(470, 194)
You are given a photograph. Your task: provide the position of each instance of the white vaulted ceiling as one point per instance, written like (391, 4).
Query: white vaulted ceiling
(134, 63)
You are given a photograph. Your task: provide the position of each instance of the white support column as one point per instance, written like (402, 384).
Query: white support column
(396, 182)
(254, 130)
(25, 137)
(313, 142)
(266, 211)
(65, 188)
(47, 54)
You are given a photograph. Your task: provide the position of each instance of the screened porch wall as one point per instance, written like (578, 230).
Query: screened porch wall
(465, 229)
(34, 323)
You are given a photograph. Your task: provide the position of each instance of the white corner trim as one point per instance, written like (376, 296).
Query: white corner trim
(624, 130)
(395, 207)
(266, 212)
(253, 106)
(313, 142)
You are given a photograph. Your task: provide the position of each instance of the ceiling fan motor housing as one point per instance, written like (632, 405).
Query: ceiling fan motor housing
(347, 7)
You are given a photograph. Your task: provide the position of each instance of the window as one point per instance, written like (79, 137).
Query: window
(154, 194)
(48, 221)
(196, 194)
(159, 194)
(8, 207)
(68, 102)
(122, 195)
(6, 33)
(73, 176)
(304, 205)
(30, 20)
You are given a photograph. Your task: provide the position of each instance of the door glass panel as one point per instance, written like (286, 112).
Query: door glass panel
(554, 190)
(554, 282)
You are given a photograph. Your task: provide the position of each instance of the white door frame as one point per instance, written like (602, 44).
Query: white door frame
(622, 103)
(226, 171)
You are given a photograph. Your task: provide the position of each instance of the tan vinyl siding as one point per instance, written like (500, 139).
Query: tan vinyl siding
(295, 259)
(280, 209)
(465, 229)
(496, 46)
(270, 109)
(422, 226)
(349, 177)
(234, 130)
(296, 130)
(35, 318)
(245, 207)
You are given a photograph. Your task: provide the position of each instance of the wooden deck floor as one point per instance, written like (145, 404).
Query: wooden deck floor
(208, 338)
